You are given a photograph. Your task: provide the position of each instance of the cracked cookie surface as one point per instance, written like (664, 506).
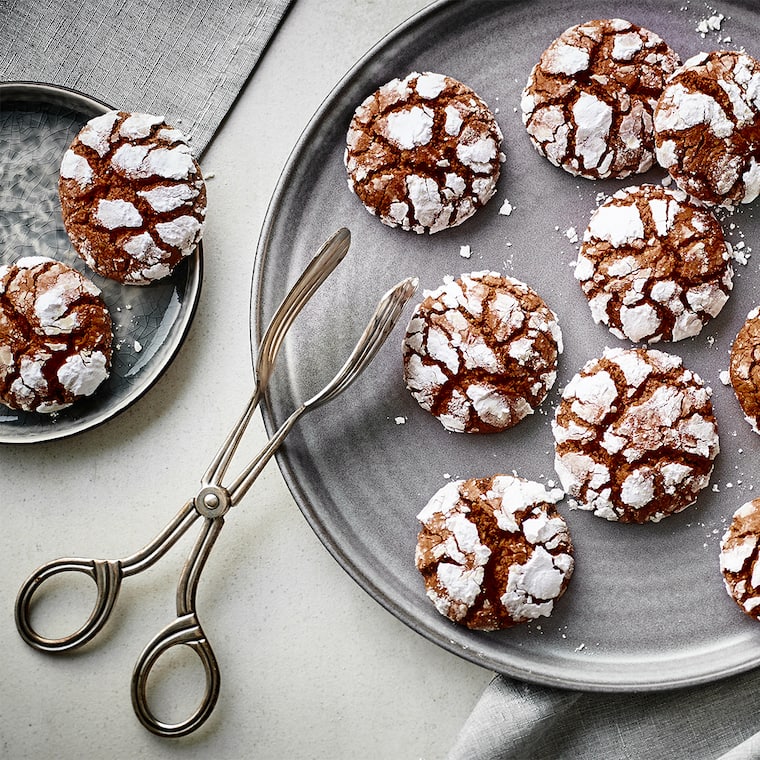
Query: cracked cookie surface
(494, 552)
(132, 196)
(707, 128)
(654, 265)
(423, 153)
(480, 353)
(635, 436)
(589, 100)
(55, 335)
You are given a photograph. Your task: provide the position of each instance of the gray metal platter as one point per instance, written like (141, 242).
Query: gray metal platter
(646, 608)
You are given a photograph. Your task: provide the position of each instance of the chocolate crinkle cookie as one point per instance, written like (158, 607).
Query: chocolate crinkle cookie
(55, 335)
(654, 265)
(480, 353)
(739, 551)
(589, 101)
(494, 552)
(635, 436)
(707, 128)
(423, 153)
(744, 368)
(133, 197)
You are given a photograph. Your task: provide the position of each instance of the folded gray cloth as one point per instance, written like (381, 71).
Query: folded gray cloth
(184, 61)
(519, 721)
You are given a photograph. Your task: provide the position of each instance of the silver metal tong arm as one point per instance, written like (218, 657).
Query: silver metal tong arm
(383, 320)
(185, 630)
(321, 266)
(107, 575)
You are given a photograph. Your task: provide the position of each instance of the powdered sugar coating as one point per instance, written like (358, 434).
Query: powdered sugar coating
(480, 353)
(132, 196)
(654, 265)
(706, 128)
(55, 336)
(494, 552)
(423, 152)
(739, 550)
(635, 436)
(589, 100)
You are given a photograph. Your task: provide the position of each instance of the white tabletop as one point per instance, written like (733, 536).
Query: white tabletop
(312, 667)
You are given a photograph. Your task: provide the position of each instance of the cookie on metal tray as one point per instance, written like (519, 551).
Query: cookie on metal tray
(480, 353)
(55, 335)
(635, 436)
(739, 564)
(423, 153)
(132, 196)
(707, 128)
(589, 100)
(654, 265)
(744, 368)
(494, 552)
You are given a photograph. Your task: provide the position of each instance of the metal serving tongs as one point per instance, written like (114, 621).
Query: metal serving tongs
(211, 503)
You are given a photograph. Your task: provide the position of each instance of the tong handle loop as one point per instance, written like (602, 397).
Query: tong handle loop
(107, 575)
(183, 631)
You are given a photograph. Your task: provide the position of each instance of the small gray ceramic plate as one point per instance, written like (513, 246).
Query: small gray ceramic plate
(646, 608)
(37, 123)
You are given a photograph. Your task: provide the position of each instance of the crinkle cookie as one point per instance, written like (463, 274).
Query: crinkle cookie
(635, 436)
(480, 353)
(132, 196)
(423, 153)
(589, 100)
(55, 335)
(744, 368)
(739, 558)
(654, 265)
(494, 552)
(707, 127)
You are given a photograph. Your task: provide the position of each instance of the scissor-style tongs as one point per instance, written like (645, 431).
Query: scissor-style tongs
(211, 503)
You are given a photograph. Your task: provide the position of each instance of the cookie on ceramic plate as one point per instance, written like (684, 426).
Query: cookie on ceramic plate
(494, 552)
(55, 335)
(654, 265)
(635, 436)
(423, 153)
(707, 128)
(589, 100)
(480, 352)
(132, 196)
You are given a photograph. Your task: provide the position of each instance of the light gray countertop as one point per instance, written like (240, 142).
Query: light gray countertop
(312, 667)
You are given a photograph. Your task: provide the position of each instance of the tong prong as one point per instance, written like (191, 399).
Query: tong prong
(320, 267)
(383, 320)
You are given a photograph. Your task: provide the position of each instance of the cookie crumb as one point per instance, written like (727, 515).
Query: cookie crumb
(506, 208)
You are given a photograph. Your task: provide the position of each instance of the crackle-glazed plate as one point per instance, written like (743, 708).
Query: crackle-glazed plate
(37, 124)
(646, 608)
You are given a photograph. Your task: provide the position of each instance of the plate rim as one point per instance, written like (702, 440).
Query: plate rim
(194, 287)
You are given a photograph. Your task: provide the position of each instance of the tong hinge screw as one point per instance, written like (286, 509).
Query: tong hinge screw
(213, 501)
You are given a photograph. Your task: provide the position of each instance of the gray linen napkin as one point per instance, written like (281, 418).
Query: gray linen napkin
(519, 721)
(186, 60)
